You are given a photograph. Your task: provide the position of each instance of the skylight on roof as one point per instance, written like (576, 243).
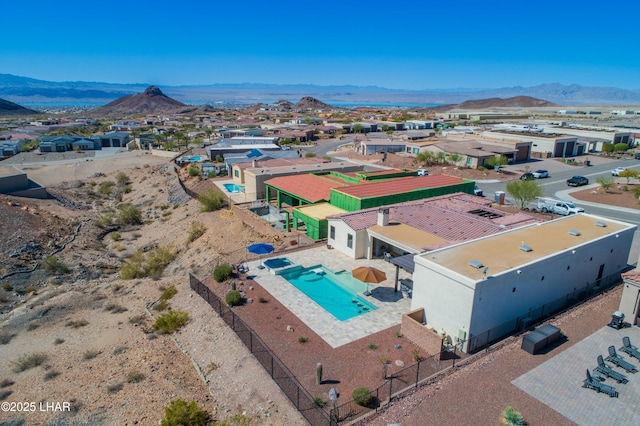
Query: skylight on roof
(476, 264)
(485, 213)
(574, 232)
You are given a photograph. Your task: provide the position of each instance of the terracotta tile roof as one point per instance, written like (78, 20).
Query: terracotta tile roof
(399, 185)
(447, 217)
(310, 187)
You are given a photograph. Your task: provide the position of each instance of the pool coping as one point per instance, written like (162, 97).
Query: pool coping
(390, 305)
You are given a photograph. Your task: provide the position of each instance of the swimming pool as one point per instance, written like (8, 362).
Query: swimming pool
(277, 262)
(232, 187)
(335, 292)
(193, 158)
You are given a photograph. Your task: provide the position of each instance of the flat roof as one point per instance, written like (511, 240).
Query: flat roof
(501, 252)
(320, 211)
(406, 235)
(399, 185)
(302, 168)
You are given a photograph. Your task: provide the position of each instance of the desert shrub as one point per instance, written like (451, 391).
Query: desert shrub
(106, 220)
(119, 350)
(32, 326)
(30, 289)
(211, 200)
(165, 214)
(7, 287)
(27, 362)
(620, 147)
(162, 305)
(5, 383)
(169, 292)
(122, 179)
(171, 321)
(606, 182)
(115, 388)
(303, 339)
(5, 394)
(362, 396)
(116, 236)
(373, 346)
(129, 214)
(5, 338)
(53, 265)
(115, 309)
(219, 158)
(77, 323)
(194, 171)
(135, 377)
(482, 169)
(138, 319)
(211, 174)
(105, 187)
(196, 231)
(50, 375)
(310, 154)
(58, 341)
(222, 272)
(511, 417)
(415, 354)
(319, 402)
(180, 413)
(89, 355)
(262, 300)
(233, 298)
(152, 263)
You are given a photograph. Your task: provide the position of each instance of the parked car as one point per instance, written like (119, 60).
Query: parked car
(477, 191)
(578, 181)
(527, 176)
(617, 171)
(637, 156)
(423, 172)
(540, 174)
(561, 207)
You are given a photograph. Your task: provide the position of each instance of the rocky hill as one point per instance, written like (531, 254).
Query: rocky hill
(151, 101)
(311, 103)
(514, 102)
(9, 108)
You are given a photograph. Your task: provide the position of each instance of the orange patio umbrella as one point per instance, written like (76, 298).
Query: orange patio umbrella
(369, 274)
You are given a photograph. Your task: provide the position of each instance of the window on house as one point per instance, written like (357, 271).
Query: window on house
(332, 232)
(236, 173)
(349, 240)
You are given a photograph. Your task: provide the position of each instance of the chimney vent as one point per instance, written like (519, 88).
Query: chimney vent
(383, 216)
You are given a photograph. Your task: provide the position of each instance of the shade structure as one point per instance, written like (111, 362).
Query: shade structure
(369, 274)
(260, 248)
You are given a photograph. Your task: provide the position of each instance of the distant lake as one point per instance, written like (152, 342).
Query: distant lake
(238, 103)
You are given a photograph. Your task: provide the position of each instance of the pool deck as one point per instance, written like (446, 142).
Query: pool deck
(236, 197)
(391, 305)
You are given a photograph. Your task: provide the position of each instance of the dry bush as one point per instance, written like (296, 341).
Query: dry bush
(77, 323)
(26, 362)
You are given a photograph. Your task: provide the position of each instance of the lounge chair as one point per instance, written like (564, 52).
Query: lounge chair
(242, 268)
(628, 348)
(596, 385)
(616, 359)
(607, 371)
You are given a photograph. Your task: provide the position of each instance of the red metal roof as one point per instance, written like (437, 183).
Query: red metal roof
(307, 186)
(399, 185)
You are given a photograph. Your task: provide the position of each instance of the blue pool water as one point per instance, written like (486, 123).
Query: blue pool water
(278, 262)
(193, 158)
(336, 293)
(232, 187)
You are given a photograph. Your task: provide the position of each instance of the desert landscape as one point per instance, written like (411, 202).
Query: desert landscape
(82, 335)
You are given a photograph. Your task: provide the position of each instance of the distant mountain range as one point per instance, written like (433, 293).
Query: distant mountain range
(25, 90)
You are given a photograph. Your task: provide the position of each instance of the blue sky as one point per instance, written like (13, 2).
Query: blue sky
(403, 44)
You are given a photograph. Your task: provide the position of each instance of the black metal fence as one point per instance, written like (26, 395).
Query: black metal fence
(300, 398)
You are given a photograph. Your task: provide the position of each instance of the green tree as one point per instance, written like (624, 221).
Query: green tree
(524, 191)
(183, 413)
(497, 160)
(211, 200)
(129, 214)
(425, 158)
(629, 174)
(607, 147)
(606, 182)
(454, 158)
(620, 147)
(357, 128)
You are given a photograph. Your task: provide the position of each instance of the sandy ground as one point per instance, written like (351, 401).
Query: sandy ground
(93, 331)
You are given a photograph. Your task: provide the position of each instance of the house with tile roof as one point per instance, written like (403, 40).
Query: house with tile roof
(355, 191)
(414, 227)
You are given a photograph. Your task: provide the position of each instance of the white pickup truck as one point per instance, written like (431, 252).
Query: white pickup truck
(551, 205)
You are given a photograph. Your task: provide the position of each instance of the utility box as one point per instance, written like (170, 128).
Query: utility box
(539, 339)
(499, 197)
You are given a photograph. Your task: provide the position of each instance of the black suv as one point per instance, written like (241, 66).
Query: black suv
(578, 181)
